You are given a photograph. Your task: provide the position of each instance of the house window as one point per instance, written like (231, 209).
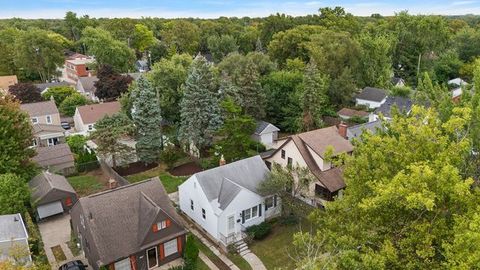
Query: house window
(152, 257)
(191, 205)
(250, 213)
(204, 214)
(270, 202)
(49, 119)
(161, 225)
(283, 154)
(34, 120)
(123, 264)
(50, 142)
(34, 142)
(90, 127)
(170, 247)
(289, 161)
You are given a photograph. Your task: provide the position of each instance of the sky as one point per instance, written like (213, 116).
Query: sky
(217, 8)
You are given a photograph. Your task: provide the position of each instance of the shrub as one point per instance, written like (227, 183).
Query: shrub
(170, 155)
(86, 161)
(191, 253)
(77, 143)
(259, 231)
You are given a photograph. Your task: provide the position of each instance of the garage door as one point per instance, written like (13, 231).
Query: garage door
(49, 209)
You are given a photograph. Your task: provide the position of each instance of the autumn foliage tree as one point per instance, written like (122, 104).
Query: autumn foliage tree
(110, 84)
(25, 92)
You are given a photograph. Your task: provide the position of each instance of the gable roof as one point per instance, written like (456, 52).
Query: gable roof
(403, 104)
(46, 182)
(263, 126)
(372, 94)
(121, 217)
(37, 128)
(457, 81)
(246, 173)
(6, 81)
(88, 83)
(351, 113)
(53, 155)
(357, 130)
(94, 112)
(40, 108)
(396, 80)
(44, 86)
(12, 227)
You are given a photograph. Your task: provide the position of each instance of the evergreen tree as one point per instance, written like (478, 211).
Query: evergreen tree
(313, 98)
(199, 109)
(148, 119)
(251, 95)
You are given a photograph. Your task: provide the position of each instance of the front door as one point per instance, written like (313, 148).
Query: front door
(152, 257)
(231, 225)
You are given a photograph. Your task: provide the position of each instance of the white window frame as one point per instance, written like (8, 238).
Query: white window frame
(90, 127)
(156, 257)
(249, 213)
(48, 119)
(170, 247)
(34, 120)
(48, 142)
(161, 225)
(204, 214)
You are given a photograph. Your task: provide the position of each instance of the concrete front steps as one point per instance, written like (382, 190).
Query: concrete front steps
(242, 247)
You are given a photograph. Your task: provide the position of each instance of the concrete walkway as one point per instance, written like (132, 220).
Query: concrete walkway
(254, 261)
(207, 261)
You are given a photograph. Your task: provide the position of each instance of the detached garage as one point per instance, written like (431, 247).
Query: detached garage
(51, 194)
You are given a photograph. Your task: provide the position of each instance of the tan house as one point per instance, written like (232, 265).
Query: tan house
(86, 116)
(45, 120)
(308, 150)
(6, 82)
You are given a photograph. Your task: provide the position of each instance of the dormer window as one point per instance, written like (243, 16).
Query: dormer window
(161, 225)
(49, 119)
(34, 120)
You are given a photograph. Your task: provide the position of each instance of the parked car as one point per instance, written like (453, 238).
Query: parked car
(73, 265)
(65, 125)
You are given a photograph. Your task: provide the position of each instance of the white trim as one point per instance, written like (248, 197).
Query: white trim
(156, 257)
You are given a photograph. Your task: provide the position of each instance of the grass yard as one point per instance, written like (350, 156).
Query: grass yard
(86, 184)
(274, 249)
(58, 253)
(201, 265)
(239, 261)
(169, 181)
(209, 253)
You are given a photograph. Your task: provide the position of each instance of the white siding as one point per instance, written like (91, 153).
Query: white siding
(291, 151)
(370, 104)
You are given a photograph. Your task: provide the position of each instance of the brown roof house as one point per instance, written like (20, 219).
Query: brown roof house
(86, 116)
(56, 158)
(6, 82)
(308, 150)
(130, 227)
(51, 194)
(45, 119)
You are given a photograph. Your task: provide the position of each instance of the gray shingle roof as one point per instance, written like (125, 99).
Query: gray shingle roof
(53, 155)
(228, 192)
(372, 94)
(357, 130)
(262, 125)
(11, 226)
(88, 83)
(46, 182)
(120, 219)
(247, 173)
(404, 105)
(40, 108)
(37, 128)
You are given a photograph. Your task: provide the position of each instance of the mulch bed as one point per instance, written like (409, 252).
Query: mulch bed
(186, 169)
(134, 168)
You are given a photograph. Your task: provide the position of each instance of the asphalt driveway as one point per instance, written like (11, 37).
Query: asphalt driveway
(55, 231)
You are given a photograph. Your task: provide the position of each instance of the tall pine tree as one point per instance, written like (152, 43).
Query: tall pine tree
(251, 95)
(147, 117)
(199, 109)
(313, 98)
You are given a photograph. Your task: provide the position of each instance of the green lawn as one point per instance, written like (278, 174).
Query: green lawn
(209, 253)
(274, 249)
(169, 181)
(86, 184)
(239, 261)
(201, 265)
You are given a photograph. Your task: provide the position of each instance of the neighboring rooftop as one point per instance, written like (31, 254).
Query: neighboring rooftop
(357, 130)
(81, 61)
(457, 82)
(37, 128)
(346, 112)
(12, 227)
(44, 86)
(45, 182)
(121, 218)
(404, 105)
(263, 126)
(397, 80)
(94, 112)
(53, 155)
(372, 94)
(88, 83)
(40, 108)
(225, 182)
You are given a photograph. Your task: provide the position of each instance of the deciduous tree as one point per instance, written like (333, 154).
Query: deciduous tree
(14, 194)
(110, 84)
(25, 92)
(59, 93)
(69, 105)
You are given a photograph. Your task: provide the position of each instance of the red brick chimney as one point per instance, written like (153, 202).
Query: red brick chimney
(342, 129)
(222, 161)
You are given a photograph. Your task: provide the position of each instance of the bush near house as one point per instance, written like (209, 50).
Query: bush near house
(191, 254)
(259, 231)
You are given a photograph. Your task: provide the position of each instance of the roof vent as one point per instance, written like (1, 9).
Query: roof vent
(15, 219)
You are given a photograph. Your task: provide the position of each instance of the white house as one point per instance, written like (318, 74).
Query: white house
(224, 201)
(402, 104)
(371, 97)
(13, 237)
(265, 133)
(86, 116)
(308, 150)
